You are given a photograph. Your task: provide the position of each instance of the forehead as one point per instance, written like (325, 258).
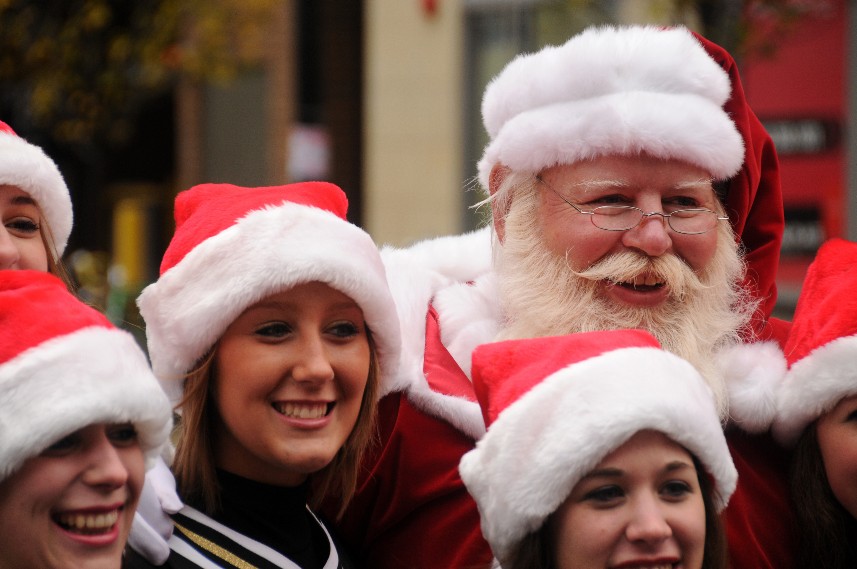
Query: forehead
(13, 194)
(642, 171)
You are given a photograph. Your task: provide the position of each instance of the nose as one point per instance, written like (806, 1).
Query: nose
(9, 253)
(313, 362)
(648, 524)
(105, 466)
(651, 236)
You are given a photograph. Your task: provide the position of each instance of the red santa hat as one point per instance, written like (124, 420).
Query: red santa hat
(556, 406)
(822, 346)
(235, 246)
(612, 90)
(27, 167)
(63, 366)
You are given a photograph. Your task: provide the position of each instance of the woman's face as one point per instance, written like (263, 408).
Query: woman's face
(640, 507)
(289, 377)
(72, 506)
(837, 440)
(21, 245)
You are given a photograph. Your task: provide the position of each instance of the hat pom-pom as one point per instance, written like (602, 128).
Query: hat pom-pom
(752, 373)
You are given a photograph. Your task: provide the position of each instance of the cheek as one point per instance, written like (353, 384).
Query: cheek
(838, 447)
(687, 522)
(696, 250)
(352, 369)
(582, 537)
(33, 254)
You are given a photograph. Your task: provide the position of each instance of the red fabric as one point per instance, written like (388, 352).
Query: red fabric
(754, 203)
(7, 129)
(411, 510)
(207, 209)
(504, 371)
(441, 369)
(760, 523)
(827, 307)
(36, 307)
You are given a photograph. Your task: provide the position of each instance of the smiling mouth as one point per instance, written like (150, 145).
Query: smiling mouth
(642, 283)
(88, 524)
(303, 410)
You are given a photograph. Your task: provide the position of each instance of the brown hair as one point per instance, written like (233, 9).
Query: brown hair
(829, 531)
(55, 265)
(535, 551)
(194, 464)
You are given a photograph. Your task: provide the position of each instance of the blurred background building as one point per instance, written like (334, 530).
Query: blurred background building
(139, 100)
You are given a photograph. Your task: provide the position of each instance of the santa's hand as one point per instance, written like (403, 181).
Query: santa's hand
(153, 527)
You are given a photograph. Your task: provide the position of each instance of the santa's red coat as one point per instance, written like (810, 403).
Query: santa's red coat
(412, 510)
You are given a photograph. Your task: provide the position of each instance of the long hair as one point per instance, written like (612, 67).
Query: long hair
(195, 462)
(536, 551)
(55, 264)
(829, 532)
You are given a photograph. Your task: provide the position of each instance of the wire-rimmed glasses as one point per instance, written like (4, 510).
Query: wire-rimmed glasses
(692, 221)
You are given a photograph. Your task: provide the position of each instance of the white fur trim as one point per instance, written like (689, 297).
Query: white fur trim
(469, 316)
(67, 383)
(612, 90)
(543, 444)
(753, 374)
(266, 251)
(814, 385)
(416, 274)
(27, 167)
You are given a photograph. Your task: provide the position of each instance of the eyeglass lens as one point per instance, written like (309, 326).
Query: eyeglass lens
(621, 218)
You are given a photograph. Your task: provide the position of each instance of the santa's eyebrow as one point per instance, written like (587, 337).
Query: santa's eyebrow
(702, 183)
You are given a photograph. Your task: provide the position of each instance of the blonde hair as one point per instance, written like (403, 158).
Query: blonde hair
(194, 464)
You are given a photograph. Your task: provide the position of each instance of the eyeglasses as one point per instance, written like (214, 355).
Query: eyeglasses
(624, 217)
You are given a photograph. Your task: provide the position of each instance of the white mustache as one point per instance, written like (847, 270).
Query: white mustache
(627, 266)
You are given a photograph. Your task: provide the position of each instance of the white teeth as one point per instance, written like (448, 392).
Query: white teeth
(88, 523)
(302, 410)
(648, 280)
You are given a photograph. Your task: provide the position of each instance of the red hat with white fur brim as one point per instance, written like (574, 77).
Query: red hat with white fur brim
(612, 90)
(822, 346)
(234, 246)
(27, 167)
(63, 366)
(557, 406)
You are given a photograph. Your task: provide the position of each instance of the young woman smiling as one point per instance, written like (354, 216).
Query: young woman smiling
(35, 207)
(81, 415)
(272, 326)
(602, 451)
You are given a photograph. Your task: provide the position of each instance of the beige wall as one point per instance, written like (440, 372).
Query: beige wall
(413, 184)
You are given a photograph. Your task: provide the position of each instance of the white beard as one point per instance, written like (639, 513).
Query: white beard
(542, 296)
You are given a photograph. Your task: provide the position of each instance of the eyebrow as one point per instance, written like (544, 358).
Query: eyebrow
(277, 305)
(23, 200)
(617, 472)
(599, 184)
(702, 183)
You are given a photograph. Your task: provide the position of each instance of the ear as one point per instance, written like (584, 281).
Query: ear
(498, 210)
